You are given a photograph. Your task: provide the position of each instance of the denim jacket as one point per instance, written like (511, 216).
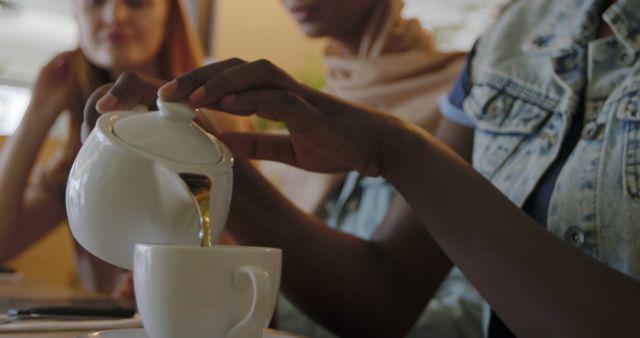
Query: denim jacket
(531, 75)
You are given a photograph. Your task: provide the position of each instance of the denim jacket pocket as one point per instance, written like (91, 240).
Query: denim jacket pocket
(503, 121)
(628, 111)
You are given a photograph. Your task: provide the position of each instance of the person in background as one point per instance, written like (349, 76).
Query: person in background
(150, 37)
(378, 59)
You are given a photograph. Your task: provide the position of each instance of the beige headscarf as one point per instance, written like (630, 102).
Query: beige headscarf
(397, 70)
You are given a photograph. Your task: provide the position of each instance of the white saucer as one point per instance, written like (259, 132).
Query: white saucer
(117, 333)
(139, 333)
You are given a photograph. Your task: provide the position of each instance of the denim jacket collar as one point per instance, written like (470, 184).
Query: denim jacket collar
(624, 19)
(563, 29)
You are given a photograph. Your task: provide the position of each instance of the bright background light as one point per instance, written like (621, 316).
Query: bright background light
(456, 23)
(33, 31)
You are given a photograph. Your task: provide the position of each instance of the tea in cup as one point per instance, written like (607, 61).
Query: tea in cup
(206, 292)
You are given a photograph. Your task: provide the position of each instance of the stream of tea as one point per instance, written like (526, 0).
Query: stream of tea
(200, 187)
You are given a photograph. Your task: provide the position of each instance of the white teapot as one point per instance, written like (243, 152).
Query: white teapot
(148, 177)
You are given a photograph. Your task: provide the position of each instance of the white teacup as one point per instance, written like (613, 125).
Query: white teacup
(212, 292)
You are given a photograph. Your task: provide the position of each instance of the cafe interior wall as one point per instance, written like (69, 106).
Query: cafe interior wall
(254, 30)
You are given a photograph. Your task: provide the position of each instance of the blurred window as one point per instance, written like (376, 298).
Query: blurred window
(455, 23)
(13, 103)
(31, 33)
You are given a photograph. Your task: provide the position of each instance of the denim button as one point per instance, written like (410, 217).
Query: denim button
(352, 205)
(591, 130)
(575, 236)
(625, 59)
(495, 109)
(550, 139)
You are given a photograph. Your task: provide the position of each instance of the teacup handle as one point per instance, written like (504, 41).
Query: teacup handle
(260, 313)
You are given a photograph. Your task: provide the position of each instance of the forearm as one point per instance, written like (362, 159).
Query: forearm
(336, 278)
(17, 159)
(539, 286)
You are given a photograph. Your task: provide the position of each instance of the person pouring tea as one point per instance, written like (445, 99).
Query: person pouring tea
(535, 111)
(382, 60)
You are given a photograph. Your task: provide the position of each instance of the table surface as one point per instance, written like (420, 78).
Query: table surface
(34, 289)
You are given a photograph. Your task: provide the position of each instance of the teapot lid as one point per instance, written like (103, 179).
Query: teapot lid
(169, 133)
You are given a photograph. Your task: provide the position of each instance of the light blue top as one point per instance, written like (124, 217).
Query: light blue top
(454, 311)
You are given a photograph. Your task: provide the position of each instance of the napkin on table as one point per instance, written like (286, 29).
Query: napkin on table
(34, 325)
